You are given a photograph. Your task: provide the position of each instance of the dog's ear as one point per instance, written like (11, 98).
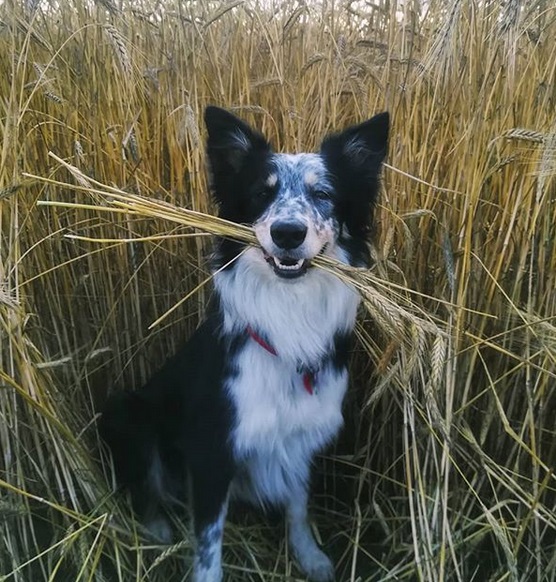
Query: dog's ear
(354, 158)
(231, 146)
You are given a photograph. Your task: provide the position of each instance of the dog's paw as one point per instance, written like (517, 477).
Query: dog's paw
(159, 530)
(317, 566)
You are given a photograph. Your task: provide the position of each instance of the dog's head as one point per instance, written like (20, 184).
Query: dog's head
(300, 205)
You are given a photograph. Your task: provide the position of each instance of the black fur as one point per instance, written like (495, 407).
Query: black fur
(181, 413)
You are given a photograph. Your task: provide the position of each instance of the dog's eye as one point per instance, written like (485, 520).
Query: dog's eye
(264, 194)
(322, 195)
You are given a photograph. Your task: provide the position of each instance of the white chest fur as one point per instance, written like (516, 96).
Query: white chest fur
(273, 405)
(298, 318)
(279, 424)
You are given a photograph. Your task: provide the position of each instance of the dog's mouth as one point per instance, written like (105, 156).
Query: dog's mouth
(288, 268)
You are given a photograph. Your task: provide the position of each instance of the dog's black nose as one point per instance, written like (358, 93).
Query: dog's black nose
(288, 235)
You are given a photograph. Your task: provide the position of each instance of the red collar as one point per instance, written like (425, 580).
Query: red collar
(308, 376)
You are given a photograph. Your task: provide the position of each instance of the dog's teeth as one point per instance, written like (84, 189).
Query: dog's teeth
(297, 265)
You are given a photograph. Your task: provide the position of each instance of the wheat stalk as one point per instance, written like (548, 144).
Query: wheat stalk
(444, 471)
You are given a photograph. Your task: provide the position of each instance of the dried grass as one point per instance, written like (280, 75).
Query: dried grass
(445, 468)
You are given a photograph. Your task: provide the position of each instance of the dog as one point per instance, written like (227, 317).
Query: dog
(243, 408)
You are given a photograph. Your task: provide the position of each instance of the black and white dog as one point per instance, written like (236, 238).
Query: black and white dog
(243, 408)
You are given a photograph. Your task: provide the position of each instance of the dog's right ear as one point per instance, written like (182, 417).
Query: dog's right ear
(231, 145)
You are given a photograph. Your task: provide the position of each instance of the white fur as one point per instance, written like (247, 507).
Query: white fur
(299, 317)
(311, 558)
(311, 177)
(280, 426)
(272, 180)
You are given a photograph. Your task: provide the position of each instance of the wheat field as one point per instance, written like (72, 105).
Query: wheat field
(444, 470)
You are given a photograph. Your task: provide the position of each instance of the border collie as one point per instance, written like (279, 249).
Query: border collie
(256, 393)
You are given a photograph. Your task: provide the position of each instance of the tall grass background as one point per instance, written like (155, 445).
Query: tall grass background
(445, 467)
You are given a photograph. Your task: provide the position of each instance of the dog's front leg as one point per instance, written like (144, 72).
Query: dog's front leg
(210, 482)
(311, 559)
(207, 565)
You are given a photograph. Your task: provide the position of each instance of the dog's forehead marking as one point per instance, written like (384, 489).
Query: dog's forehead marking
(297, 172)
(299, 163)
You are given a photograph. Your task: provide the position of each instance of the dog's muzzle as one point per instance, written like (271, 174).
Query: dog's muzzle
(288, 236)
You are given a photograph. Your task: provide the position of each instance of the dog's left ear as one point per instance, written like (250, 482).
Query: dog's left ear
(354, 158)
